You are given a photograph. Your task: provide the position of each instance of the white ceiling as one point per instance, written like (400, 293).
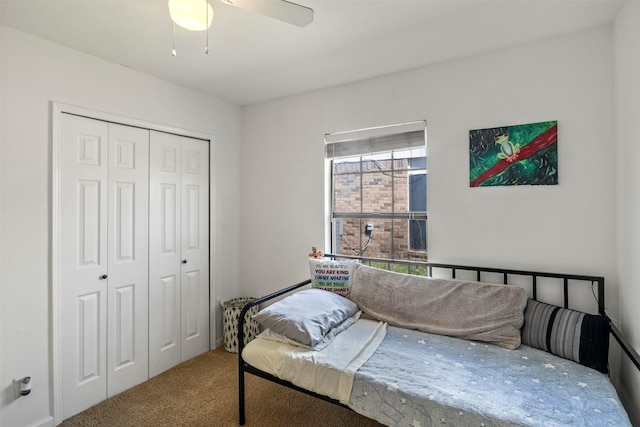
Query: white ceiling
(254, 58)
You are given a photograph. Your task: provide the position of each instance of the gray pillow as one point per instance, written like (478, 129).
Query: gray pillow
(307, 316)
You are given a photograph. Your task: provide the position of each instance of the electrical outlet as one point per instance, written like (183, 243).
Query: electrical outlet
(368, 229)
(21, 387)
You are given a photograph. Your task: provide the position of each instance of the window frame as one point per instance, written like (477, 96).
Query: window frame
(385, 135)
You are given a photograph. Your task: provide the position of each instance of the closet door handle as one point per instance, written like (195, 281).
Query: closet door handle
(104, 276)
(184, 261)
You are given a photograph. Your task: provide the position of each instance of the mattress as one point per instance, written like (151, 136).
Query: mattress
(420, 379)
(329, 372)
(403, 377)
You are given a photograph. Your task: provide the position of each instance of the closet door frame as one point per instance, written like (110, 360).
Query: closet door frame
(57, 109)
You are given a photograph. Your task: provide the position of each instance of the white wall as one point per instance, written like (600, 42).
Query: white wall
(570, 227)
(34, 73)
(627, 105)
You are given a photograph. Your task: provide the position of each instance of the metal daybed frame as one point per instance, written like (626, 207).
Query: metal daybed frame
(599, 293)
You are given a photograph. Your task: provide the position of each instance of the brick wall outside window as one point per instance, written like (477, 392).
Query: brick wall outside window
(378, 194)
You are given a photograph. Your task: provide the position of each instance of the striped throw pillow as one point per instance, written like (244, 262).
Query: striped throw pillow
(571, 334)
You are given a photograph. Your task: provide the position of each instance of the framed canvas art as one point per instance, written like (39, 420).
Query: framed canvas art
(524, 154)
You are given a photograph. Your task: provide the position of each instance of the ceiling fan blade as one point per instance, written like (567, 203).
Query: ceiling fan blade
(282, 10)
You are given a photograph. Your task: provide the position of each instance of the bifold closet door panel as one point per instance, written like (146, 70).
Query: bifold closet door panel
(179, 250)
(195, 247)
(128, 260)
(83, 261)
(164, 252)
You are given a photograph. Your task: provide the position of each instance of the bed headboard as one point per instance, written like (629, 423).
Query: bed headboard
(507, 276)
(593, 281)
(510, 276)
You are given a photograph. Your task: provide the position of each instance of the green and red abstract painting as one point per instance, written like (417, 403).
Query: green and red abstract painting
(514, 155)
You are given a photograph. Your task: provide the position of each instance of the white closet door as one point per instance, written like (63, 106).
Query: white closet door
(128, 260)
(164, 252)
(104, 260)
(195, 247)
(83, 261)
(179, 250)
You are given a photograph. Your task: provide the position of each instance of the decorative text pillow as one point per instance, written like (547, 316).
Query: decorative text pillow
(332, 275)
(574, 335)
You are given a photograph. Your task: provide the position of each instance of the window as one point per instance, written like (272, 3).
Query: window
(378, 200)
(418, 203)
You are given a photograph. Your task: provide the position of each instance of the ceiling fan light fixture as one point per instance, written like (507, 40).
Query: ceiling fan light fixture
(193, 15)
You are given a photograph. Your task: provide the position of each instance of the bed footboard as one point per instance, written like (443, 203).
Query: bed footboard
(242, 365)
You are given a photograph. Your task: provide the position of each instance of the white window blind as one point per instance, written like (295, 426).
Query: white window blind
(375, 140)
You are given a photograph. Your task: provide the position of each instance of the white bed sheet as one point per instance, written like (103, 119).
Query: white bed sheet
(329, 372)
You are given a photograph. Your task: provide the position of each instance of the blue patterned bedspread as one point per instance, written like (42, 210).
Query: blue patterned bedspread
(419, 379)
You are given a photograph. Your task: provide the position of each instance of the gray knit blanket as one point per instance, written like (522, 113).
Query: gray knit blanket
(470, 310)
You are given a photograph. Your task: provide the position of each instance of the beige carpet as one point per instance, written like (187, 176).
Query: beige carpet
(204, 392)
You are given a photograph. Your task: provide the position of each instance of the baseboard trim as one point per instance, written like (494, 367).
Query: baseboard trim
(45, 422)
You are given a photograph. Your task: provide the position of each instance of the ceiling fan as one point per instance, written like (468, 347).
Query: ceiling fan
(196, 15)
(282, 10)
